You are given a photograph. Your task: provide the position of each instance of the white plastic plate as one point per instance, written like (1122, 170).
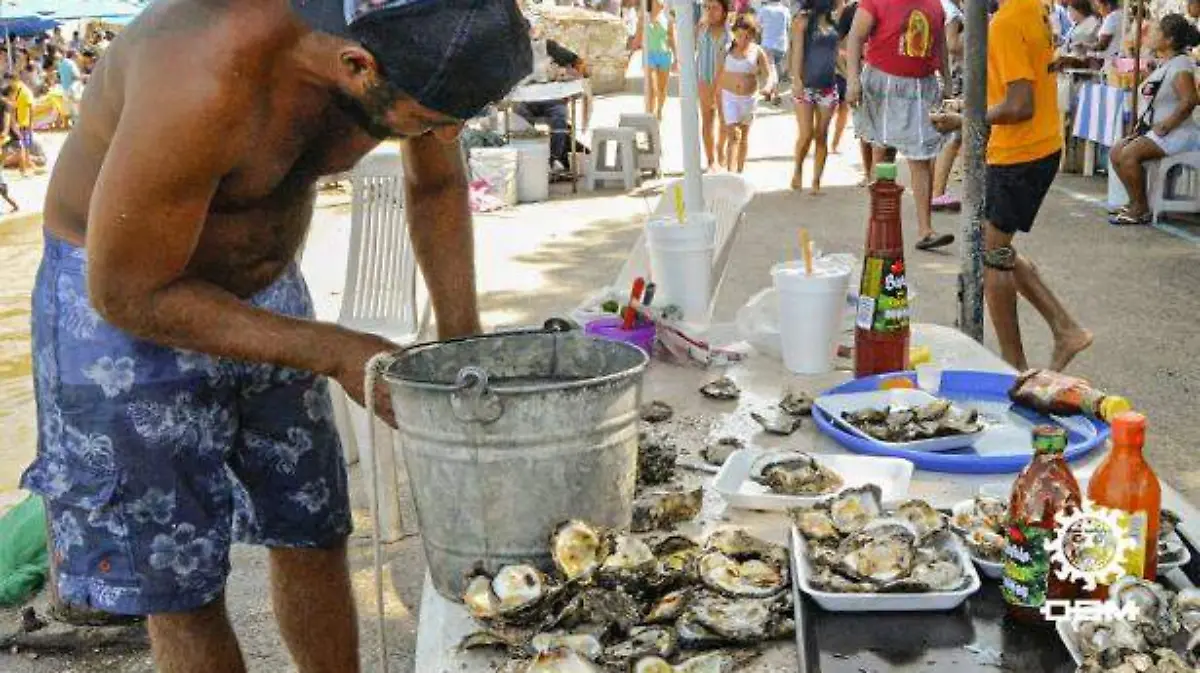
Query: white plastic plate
(735, 485)
(835, 405)
(923, 602)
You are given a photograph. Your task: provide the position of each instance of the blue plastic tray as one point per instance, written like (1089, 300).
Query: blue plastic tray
(1004, 448)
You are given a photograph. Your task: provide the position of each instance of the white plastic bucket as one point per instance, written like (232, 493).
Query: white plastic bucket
(681, 257)
(497, 165)
(810, 313)
(533, 169)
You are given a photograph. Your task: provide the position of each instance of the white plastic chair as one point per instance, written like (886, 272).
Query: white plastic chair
(725, 196)
(1173, 184)
(384, 295)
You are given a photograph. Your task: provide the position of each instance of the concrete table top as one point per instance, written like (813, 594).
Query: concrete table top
(762, 380)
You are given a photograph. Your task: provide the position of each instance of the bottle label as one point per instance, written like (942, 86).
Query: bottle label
(1026, 566)
(883, 296)
(1134, 526)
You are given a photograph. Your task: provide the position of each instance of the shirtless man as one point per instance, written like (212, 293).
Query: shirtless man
(180, 379)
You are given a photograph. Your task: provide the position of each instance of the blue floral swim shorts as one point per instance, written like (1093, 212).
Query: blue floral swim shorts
(152, 459)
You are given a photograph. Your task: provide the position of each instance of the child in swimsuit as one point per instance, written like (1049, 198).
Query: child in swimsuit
(738, 75)
(658, 39)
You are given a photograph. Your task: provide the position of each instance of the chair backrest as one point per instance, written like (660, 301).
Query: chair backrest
(381, 273)
(726, 197)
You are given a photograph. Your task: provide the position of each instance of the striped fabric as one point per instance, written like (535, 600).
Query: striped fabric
(1099, 113)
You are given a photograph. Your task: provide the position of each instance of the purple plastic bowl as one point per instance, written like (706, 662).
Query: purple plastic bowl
(642, 334)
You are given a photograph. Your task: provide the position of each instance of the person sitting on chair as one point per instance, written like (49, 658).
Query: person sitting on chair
(551, 62)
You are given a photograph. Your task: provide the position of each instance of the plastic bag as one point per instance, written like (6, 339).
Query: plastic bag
(24, 560)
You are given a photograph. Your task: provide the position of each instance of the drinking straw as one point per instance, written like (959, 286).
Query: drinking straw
(679, 203)
(806, 250)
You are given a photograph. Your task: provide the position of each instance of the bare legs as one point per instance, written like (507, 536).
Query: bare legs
(737, 138)
(839, 127)
(714, 152)
(868, 162)
(310, 591)
(1001, 289)
(804, 134)
(1127, 158)
(195, 642)
(821, 137)
(944, 165)
(922, 190)
(659, 79)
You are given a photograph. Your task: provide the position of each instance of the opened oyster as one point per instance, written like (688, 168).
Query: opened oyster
(562, 660)
(517, 595)
(882, 553)
(669, 607)
(716, 453)
(745, 620)
(979, 512)
(736, 543)
(751, 578)
(676, 558)
(631, 562)
(487, 639)
(712, 662)
(902, 424)
(923, 516)
(585, 644)
(661, 510)
(657, 457)
(656, 411)
(643, 641)
(777, 423)
(814, 523)
(986, 544)
(796, 404)
(721, 389)
(600, 612)
(578, 549)
(795, 474)
(854, 508)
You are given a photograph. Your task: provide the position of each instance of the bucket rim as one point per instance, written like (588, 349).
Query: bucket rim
(643, 361)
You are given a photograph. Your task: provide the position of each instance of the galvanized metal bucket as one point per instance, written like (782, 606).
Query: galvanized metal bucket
(507, 435)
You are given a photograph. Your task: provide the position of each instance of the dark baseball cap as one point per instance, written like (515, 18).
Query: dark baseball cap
(452, 56)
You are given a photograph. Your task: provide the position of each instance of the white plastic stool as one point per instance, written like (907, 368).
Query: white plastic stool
(649, 144)
(614, 164)
(1173, 184)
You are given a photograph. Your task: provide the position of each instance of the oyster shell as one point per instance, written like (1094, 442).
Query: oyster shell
(1156, 620)
(669, 607)
(663, 509)
(826, 579)
(716, 453)
(486, 640)
(736, 543)
(578, 549)
(986, 544)
(656, 411)
(676, 556)
(601, 611)
(723, 388)
(980, 511)
(933, 411)
(796, 404)
(653, 665)
(814, 523)
(795, 474)
(479, 599)
(657, 457)
(562, 660)
(823, 556)
(751, 578)
(631, 562)
(643, 641)
(853, 508)
(582, 643)
(737, 621)
(1186, 607)
(938, 575)
(777, 422)
(712, 662)
(694, 635)
(520, 589)
(922, 515)
(882, 553)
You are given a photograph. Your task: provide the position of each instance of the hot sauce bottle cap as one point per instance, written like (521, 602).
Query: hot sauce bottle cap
(1113, 406)
(1129, 429)
(885, 172)
(1049, 439)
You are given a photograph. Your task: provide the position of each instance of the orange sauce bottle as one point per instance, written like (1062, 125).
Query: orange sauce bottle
(1125, 482)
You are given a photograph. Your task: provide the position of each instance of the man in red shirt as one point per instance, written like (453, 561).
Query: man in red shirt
(905, 44)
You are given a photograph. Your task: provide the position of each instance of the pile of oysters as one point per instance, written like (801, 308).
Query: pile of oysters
(939, 418)
(1147, 643)
(854, 546)
(980, 521)
(619, 602)
(795, 473)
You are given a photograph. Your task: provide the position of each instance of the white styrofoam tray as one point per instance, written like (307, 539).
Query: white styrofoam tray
(835, 405)
(881, 602)
(735, 485)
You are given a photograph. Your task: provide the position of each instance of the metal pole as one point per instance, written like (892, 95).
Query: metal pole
(643, 23)
(689, 97)
(970, 278)
(1137, 59)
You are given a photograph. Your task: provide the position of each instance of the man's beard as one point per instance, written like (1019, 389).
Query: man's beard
(371, 113)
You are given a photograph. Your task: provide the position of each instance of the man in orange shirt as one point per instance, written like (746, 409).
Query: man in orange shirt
(1022, 161)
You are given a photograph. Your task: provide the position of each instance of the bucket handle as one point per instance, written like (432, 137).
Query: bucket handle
(473, 401)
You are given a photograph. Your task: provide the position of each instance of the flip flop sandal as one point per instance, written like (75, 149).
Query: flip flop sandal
(1124, 219)
(946, 203)
(933, 241)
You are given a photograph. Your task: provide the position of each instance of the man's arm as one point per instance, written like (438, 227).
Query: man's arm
(145, 220)
(863, 24)
(1017, 105)
(442, 234)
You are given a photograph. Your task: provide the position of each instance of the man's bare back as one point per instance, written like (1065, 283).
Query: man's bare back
(262, 206)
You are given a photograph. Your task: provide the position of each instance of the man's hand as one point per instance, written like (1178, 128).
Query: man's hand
(354, 353)
(853, 92)
(945, 122)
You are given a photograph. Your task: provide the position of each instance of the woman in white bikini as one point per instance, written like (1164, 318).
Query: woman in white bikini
(738, 74)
